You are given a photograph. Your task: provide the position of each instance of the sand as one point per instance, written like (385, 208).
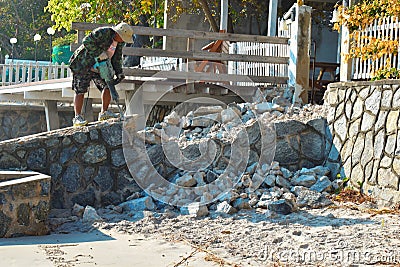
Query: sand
(333, 236)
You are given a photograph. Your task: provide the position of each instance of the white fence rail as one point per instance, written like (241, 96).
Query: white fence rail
(16, 73)
(387, 28)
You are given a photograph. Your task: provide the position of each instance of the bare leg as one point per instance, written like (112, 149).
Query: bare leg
(78, 103)
(105, 99)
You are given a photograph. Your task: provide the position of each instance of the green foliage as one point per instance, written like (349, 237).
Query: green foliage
(23, 19)
(65, 40)
(64, 12)
(387, 73)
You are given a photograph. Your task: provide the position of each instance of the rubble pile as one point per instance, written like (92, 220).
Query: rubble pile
(249, 173)
(220, 160)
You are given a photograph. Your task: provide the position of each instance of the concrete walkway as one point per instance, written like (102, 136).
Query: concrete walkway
(96, 249)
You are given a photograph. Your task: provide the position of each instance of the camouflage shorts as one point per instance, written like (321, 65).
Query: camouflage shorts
(81, 82)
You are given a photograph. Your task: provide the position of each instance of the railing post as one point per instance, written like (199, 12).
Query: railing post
(345, 65)
(299, 51)
(52, 120)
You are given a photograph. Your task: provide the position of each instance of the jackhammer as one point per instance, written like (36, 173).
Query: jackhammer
(107, 73)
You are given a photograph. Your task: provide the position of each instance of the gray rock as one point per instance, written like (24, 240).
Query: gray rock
(291, 198)
(37, 159)
(173, 118)
(253, 132)
(94, 154)
(252, 168)
(88, 197)
(263, 107)
(199, 177)
(281, 206)
(155, 154)
(286, 173)
(285, 153)
(321, 171)
(312, 145)
(312, 199)
(225, 208)
(67, 154)
(94, 134)
(104, 178)
(71, 178)
(78, 210)
(206, 120)
(287, 128)
(55, 170)
(304, 180)
(241, 204)
(297, 189)
(270, 180)
(323, 184)
(80, 137)
(112, 135)
(117, 157)
(186, 180)
(266, 196)
(90, 215)
(282, 182)
(204, 110)
(8, 162)
(139, 204)
(211, 176)
(195, 209)
(229, 196)
(256, 181)
(228, 115)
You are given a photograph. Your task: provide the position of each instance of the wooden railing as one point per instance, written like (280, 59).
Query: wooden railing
(242, 58)
(383, 28)
(23, 72)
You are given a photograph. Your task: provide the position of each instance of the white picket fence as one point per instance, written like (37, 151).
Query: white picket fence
(24, 72)
(160, 63)
(258, 68)
(388, 28)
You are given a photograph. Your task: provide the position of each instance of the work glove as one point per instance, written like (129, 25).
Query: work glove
(103, 56)
(120, 77)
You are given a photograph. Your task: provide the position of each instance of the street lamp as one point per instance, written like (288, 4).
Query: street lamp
(13, 41)
(51, 32)
(36, 38)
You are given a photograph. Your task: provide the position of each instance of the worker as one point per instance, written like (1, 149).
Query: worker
(101, 44)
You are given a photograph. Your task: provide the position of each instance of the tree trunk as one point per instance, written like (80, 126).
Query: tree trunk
(209, 16)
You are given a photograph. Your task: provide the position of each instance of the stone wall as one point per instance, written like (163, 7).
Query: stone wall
(24, 203)
(22, 120)
(88, 167)
(364, 122)
(86, 164)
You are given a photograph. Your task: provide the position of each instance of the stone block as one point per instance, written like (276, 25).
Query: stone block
(139, 204)
(195, 209)
(25, 203)
(304, 180)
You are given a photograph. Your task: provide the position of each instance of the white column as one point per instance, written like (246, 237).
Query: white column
(272, 17)
(299, 57)
(224, 15)
(165, 23)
